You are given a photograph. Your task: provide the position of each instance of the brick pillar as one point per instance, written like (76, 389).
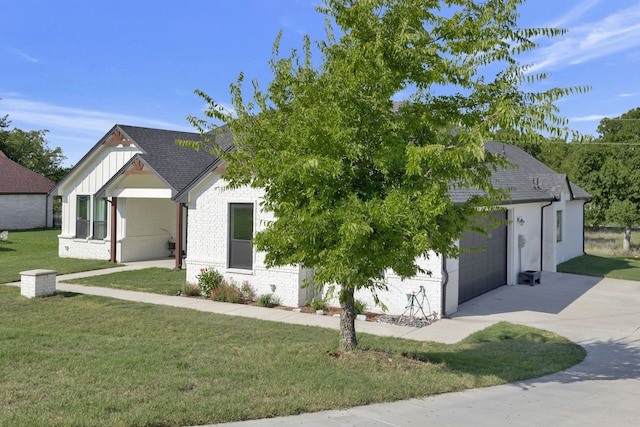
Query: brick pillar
(37, 283)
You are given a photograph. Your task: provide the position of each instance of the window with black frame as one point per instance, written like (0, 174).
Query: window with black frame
(82, 216)
(99, 218)
(240, 235)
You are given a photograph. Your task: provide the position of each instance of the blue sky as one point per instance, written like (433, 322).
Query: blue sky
(77, 67)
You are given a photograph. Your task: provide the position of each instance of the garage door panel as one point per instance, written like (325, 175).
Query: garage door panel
(486, 269)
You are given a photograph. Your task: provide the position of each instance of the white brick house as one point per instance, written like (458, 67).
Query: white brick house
(211, 227)
(118, 201)
(156, 189)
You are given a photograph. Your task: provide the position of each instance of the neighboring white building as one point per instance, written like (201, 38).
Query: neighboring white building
(157, 190)
(24, 200)
(118, 201)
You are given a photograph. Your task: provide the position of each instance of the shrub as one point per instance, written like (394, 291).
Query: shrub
(190, 290)
(208, 281)
(319, 304)
(248, 294)
(267, 300)
(359, 307)
(226, 292)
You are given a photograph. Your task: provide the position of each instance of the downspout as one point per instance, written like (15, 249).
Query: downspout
(542, 232)
(445, 282)
(114, 212)
(49, 211)
(584, 252)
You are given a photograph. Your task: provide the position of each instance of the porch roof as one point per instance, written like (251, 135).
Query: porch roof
(175, 165)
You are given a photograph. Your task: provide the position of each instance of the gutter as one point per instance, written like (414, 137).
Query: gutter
(542, 232)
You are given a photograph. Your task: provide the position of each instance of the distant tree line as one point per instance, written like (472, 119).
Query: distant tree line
(31, 150)
(607, 166)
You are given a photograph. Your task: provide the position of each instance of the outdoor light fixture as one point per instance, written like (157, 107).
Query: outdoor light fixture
(520, 220)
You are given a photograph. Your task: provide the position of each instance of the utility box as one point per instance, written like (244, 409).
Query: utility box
(37, 283)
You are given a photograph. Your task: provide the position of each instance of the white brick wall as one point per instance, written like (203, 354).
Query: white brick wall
(207, 243)
(37, 283)
(69, 247)
(23, 211)
(395, 297)
(207, 248)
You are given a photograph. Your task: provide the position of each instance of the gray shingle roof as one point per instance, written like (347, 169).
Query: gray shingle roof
(178, 166)
(527, 180)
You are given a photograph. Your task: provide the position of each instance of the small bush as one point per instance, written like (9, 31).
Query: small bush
(248, 294)
(190, 290)
(316, 305)
(359, 307)
(227, 292)
(208, 281)
(267, 300)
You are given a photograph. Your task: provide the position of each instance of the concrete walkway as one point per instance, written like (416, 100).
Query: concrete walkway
(603, 315)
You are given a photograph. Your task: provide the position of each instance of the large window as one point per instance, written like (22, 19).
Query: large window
(240, 235)
(99, 218)
(82, 216)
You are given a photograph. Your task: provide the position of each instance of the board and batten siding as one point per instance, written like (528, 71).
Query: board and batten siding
(103, 165)
(94, 172)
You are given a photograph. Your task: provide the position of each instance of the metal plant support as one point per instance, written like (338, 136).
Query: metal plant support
(415, 302)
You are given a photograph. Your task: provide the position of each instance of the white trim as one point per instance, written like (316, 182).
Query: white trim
(141, 193)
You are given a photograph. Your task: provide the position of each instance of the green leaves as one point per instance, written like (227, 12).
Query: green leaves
(358, 186)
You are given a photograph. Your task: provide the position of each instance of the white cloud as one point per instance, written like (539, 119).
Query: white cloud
(574, 14)
(589, 118)
(618, 32)
(25, 56)
(41, 115)
(74, 130)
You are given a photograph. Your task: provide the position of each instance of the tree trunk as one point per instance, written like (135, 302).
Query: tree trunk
(348, 339)
(626, 243)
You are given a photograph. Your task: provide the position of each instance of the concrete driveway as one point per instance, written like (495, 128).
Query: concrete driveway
(603, 315)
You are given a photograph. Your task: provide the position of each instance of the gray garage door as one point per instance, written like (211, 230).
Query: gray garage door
(482, 271)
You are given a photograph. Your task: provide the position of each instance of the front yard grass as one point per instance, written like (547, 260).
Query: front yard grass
(35, 249)
(626, 268)
(154, 280)
(78, 359)
(604, 256)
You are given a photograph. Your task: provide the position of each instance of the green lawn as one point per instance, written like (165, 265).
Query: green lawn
(605, 257)
(626, 268)
(154, 280)
(84, 360)
(35, 249)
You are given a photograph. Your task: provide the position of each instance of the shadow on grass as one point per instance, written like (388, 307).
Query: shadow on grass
(508, 352)
(609, 360)
(66, 294)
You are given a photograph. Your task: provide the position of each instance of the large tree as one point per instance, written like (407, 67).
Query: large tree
(609, 168)
(31, 150)
(358, 184)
